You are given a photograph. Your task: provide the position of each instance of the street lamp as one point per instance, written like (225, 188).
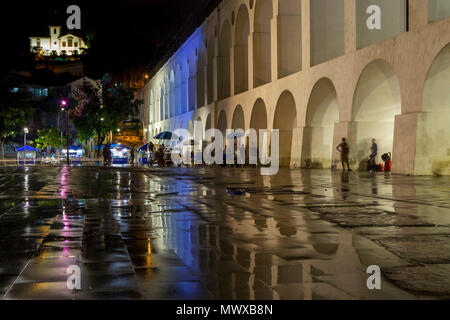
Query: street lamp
(25, 130)
(63, 104)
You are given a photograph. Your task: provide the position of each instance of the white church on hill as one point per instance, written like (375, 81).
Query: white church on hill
(58, 43)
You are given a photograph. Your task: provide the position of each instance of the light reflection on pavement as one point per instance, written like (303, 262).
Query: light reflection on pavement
(215, 233)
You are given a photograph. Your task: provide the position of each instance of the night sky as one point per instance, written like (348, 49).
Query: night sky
(130, 36)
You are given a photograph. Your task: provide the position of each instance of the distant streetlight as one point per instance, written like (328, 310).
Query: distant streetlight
(63, 104)
(25, 130)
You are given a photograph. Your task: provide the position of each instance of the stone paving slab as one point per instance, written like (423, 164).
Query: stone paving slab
(214, 233)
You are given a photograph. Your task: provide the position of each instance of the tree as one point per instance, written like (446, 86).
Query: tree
(15, 110)
(100, 108)
(49, 139)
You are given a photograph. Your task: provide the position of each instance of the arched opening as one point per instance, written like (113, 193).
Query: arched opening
(224, 79)
(161, 103)
(222, 122)
(241, 51)
(190, 128)
(152, 109)
(259, 116)
(208, 124)
(166, 97)
(184, 87)
(210, 69)
(261, 43)
(285, 120)
(201, 78)
(321, 115)
(432, 145)
(191, 84)
(178, 92)
(376, 102)
(258, 121)
(172, 94)
(289, 37)
(238, 119)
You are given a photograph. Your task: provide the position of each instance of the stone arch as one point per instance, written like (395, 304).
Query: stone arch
(432, 156)
(285, 120)
(224, 78)
(210, 69)
(201, 64)
(262, 66)
(321, 115)
(376, 102)
(238, 121)
(289, 37)
(242, 32)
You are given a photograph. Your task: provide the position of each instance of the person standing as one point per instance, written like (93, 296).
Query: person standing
(132, 156)
(344, 150)
(373, 156)
(107, 154)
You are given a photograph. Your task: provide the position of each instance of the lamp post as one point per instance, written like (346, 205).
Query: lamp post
(25, 130)
(64, 109)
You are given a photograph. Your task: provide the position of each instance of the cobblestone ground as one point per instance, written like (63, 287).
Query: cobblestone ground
(221, 233)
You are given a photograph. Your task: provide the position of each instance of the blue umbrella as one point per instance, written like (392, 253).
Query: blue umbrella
(166, 135)
(26, 148)
(75, 148)
(236, 134)
(103, 146)
(143, 148)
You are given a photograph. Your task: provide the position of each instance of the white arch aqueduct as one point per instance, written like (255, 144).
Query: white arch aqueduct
(313, 70)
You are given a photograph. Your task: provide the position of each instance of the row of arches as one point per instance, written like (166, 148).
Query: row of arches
(191, 84)
(376, 103)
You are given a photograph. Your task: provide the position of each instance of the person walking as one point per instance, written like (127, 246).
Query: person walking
(373, 156)
(344, 150)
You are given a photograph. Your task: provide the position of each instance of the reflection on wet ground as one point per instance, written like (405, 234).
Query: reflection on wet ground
(215, 233)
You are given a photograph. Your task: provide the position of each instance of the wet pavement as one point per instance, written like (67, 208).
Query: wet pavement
(221, 233)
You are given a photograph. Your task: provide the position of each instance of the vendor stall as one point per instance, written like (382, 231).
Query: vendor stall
(26, 155)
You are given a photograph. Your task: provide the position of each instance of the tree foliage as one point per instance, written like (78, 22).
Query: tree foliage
(15, 110)
(100, 108)
(49, 139)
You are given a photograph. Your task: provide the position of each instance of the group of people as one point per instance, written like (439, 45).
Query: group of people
(372, 166)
